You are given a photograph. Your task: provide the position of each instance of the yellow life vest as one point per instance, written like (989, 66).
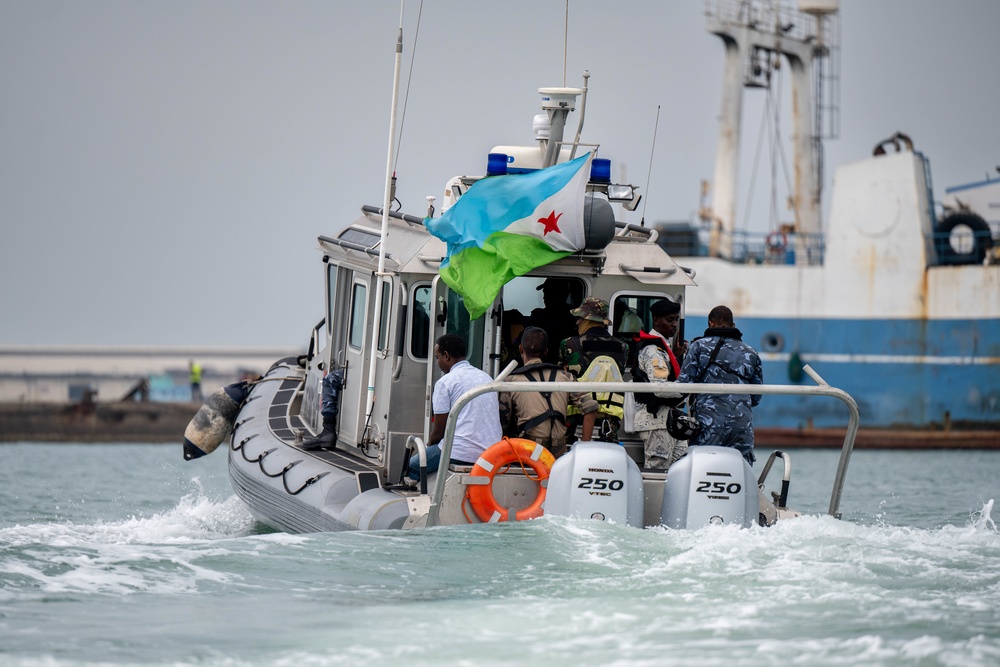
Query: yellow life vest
(604, 369)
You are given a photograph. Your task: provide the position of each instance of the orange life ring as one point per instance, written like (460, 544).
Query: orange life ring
(496, 458)
(776, 241)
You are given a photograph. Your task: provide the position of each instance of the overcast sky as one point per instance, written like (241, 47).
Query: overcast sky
(166, 167)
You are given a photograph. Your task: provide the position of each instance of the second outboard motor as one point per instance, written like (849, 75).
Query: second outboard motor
(711, 485)
(596, 480)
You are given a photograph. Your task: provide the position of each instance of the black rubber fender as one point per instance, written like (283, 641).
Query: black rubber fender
(213, 421)
(982, 240)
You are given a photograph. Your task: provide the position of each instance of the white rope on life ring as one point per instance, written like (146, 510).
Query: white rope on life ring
(530, 455)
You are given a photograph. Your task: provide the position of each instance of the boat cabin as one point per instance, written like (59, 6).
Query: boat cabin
(630, 271)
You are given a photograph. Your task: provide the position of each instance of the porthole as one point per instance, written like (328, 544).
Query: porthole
(772, 342)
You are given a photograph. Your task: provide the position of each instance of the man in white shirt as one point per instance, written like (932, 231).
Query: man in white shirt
(477, 426)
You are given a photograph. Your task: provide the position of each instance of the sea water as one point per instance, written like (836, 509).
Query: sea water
(127, 555)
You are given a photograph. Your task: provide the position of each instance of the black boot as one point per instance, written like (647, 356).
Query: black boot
(325, 440)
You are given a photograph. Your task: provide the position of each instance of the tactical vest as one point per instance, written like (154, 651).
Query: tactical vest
(593, 345)
(652, 402)
(549, 415)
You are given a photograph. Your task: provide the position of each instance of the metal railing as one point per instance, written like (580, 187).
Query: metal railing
(499, 385)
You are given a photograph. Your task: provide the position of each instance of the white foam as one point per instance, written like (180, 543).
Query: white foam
(984, 521)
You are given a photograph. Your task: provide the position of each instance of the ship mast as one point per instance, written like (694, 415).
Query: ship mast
(753, 35)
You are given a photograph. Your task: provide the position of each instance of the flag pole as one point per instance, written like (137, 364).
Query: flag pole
(386, 203)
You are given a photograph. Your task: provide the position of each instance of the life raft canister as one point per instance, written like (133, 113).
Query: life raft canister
(529, 454)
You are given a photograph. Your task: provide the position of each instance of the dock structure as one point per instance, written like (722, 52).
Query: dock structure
(104, 393)
(68, 373)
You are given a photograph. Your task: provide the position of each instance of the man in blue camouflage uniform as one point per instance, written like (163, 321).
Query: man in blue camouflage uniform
(726, 420)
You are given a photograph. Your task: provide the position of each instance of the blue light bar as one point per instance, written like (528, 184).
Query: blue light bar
(600, 170)
(496, 164)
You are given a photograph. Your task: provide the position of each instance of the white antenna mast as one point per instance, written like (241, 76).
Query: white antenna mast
(565, 41)
(649, 173)
(386, 202)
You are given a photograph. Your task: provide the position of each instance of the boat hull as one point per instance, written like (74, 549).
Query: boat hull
(915, 373)
(298, 491)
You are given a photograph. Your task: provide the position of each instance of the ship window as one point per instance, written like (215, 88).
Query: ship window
(357, 335)
(420, 332)
(383, 326)
(772, 341)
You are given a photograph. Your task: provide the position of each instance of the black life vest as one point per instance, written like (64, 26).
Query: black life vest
(549, 415)
(652, 402)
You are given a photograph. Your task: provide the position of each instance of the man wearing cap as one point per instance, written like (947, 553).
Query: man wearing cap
(721, 357)
(541, 415)
(656, 362)
(577, 354)
(555, 316)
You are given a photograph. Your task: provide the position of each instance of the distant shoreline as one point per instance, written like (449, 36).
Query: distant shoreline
(153, 422)
(125, 421)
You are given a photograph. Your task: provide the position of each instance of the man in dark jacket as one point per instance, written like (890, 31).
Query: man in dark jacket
(721, 357)
(555, 317)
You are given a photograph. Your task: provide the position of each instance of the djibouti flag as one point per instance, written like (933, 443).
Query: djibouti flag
(505, 226)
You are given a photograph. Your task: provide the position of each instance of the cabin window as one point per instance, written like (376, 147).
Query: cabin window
(420, 323)
(630, 314)
(331, 296)
(357, 331)
(540, 302)
(472, 331)
(383, 325)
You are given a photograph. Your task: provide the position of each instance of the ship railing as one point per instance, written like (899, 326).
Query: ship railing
(778, 248)
(771, 248)
(501, 385)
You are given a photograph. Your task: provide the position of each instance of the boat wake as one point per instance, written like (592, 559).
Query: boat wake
(983, 520)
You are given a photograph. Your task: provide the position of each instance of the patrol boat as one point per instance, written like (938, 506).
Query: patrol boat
(385, 306)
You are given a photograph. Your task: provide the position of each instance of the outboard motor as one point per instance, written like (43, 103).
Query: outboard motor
(711, 485)
(596, 480)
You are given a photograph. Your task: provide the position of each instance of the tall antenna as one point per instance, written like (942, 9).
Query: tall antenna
(565, 41)
(386, 203)
(409, 77)
(649, 172)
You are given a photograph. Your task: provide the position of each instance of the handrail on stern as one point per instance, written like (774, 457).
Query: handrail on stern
(498, 385)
